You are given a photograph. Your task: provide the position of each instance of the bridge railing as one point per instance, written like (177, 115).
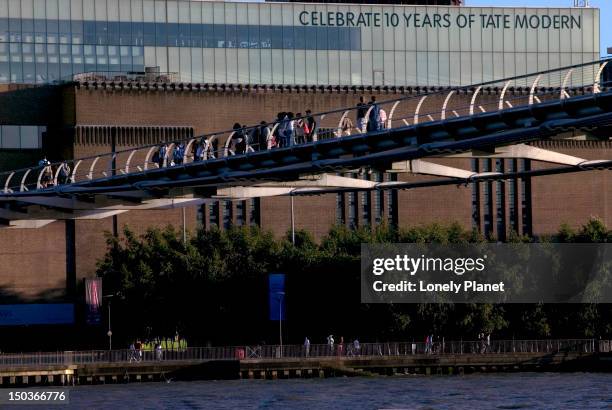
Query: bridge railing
(337, 350)
(425, 105)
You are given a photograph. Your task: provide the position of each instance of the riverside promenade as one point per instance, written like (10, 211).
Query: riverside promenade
(290, 361)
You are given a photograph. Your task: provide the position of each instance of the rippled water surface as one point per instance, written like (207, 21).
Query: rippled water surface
(493, 391)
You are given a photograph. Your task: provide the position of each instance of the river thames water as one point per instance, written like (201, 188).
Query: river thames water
(491, 391)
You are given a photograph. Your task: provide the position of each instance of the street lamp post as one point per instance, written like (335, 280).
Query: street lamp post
(280, 321)
(110, 332)
(292, 222)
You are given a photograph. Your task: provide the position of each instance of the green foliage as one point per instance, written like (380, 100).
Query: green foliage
(214, 288)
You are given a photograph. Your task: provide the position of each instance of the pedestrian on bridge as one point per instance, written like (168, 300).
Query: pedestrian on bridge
(178, 154)
(160, 155)
(200, 151)
(312, 125)
(306, 347)
(374, 117)
(362, 109)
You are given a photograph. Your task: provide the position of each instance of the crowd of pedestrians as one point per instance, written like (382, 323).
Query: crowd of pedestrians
(48, 174)
(287, 130)
(336, 349)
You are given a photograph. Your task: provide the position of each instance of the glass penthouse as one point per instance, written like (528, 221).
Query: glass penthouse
(44, 41)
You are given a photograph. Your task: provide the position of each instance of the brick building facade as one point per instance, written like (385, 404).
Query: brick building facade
(83, 120)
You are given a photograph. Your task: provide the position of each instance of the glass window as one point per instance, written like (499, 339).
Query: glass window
(10, 136)
(64, 31)
(288, 42)
(29, 70)
(52, 26)
(344, 39)
(27, 30)
(310, 35)
(254, 36)
(333, 38)
(276, 35)
(149, 34)
(299, 42)
(196, 33)
(16, 72)
(172, 31)
(100, 51)
(219, 35)
(29, 136)
(126, 58)
(4, 71)
(138, 58)
(242, 35)
(355, 38)
(265, 40)
(137, 34)
(4, 30)
(89, 32)
(101, 33)
(321, 38)
(113, 33)
(230, 36)
(125, 33)
(76, 28)
(184, 35)
(15, 29)
(208, 33)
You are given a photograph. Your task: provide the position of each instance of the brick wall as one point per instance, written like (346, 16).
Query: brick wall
(33, 264)
(34, 261)
(572, 198)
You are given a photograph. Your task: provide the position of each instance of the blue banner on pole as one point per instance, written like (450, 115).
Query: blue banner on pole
(276, 295)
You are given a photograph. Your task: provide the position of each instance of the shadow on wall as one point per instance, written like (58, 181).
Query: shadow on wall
(57, 294)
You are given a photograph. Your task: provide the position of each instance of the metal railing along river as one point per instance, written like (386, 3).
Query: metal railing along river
(277, 352)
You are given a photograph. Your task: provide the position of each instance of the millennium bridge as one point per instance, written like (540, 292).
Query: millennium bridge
(572, 102)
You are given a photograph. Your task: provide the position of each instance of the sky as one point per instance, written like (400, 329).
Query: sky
(604, 5)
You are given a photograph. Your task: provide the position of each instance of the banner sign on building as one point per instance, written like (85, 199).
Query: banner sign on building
(37, 314)
(93, 301)
(412, 19)
(276, 295)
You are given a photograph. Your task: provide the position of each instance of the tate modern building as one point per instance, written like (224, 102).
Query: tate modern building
(45, 41)
(80, 78)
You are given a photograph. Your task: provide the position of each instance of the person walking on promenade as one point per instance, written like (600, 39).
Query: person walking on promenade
(306, 347)
(330, 344)
(481, 343)
(488, 346)
(138, 348)
(356, 347)
(132, 355)
(340, 350)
